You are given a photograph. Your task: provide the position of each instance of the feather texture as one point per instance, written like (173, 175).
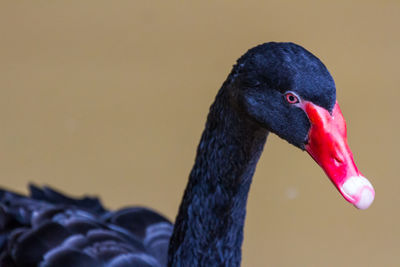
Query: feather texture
(48, 229)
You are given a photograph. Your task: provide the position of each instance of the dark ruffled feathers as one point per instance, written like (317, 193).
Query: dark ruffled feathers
(50, 229)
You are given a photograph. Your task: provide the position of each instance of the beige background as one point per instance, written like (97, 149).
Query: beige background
(110, 98)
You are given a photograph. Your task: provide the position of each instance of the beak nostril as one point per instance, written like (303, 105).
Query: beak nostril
(338, 159)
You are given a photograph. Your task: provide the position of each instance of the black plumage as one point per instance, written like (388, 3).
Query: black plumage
(47, 228)
(50, 229)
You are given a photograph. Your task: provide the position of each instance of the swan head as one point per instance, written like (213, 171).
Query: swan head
(287, 90)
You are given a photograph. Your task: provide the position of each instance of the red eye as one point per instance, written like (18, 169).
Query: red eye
(291, 98)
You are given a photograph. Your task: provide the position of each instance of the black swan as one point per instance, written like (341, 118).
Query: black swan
(274, 87)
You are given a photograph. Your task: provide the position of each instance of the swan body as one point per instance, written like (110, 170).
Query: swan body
(275, 87)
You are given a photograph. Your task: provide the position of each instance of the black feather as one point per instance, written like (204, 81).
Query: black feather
(51, 229)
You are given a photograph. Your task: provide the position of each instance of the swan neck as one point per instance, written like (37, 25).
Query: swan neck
(209, 227)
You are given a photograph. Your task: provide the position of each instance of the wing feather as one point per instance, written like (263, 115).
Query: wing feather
(49, 229)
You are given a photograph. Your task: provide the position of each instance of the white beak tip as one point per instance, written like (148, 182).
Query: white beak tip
(366, 198)
(359, 192)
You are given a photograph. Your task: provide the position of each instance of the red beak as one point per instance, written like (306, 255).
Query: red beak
(327, 145)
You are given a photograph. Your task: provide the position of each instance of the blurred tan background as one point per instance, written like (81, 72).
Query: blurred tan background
(109, 98)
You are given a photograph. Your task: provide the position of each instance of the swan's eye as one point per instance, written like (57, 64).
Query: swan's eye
(291, 98)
